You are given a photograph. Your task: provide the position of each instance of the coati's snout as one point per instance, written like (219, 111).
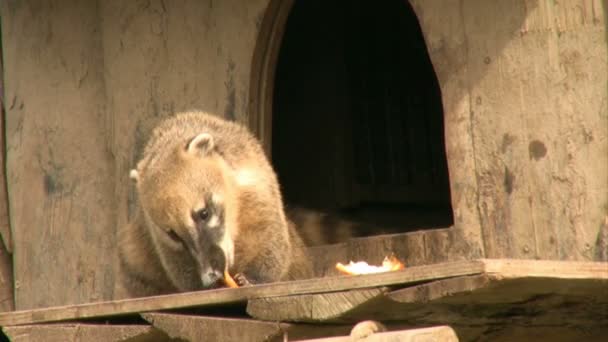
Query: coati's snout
(214, 249)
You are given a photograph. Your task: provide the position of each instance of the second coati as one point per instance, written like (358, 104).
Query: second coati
(208, 200)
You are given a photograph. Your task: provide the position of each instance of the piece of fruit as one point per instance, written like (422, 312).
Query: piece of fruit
(362, 267)
(229, 280)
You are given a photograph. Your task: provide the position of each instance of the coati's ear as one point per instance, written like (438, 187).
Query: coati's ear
(134, 175)
(201, 144)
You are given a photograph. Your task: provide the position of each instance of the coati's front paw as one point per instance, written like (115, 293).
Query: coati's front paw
(241, 280)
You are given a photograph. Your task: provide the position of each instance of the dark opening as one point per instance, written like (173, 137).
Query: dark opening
(357, 117)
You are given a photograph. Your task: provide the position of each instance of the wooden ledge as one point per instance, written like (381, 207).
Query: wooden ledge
(497, 268)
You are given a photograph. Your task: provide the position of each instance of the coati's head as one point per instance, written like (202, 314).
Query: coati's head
(185, 195)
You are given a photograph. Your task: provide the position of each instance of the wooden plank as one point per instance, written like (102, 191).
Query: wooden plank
(84, 332)
(591, 274)
(546, 268)
(58, 164)
(444, 34)
(7, 300)
(190, 299)
(205, 328)
(311, 308)
(432, 334)
(5, 229)
(201, 328)
(490, 289)
(524, 95)
(506, 283)
(413, 248)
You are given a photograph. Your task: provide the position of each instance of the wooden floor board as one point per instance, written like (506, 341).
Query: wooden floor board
(485, 276)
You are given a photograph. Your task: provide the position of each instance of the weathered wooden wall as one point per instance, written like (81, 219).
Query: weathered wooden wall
(524, 88)
(7, 301)
(86, 81)
(525, 96)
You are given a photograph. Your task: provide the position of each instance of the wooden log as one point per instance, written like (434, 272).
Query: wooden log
(85, 332)
(439, 333)
(205, 328)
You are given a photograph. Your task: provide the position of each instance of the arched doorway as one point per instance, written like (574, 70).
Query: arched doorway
(357, 121)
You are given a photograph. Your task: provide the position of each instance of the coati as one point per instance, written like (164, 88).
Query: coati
(208, 200)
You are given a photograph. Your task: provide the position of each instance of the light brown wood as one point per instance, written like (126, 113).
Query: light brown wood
(87, 81)
(58, 161)
(526, 122)
(85, 332)
(205, 328)
(432, 334)
(311, 308)
(7, 302)
(414, 249)
(546, 268)
(263, 65)
(5, 229)
(7, 299)
(505, 285)
(190, 299)
(202, 328)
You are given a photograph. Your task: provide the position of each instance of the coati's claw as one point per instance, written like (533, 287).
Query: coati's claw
(241, 280)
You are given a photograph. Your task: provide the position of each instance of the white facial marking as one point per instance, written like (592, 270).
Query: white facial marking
(214, 221)
(217, 199)
(227, 246)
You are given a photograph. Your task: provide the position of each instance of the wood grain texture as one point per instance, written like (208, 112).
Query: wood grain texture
(163, 57)
(414, 249)
(86, 84)
(7, 301)
(200, 328)
(311, 308)
(205, 328)
(552, 285)
(432, 334)
(524, 92)
(85, 332)
(58, 159)
(224, 296)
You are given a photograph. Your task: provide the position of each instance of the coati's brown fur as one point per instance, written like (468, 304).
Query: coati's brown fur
(208, 200)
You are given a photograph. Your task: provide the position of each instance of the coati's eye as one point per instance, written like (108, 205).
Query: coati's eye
(201, 215)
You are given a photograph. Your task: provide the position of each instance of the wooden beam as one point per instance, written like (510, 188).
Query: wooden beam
(440, 333)
(586, 279)
(84, 332)
(220, 329)
(201, 298)
(311, 308)
(517, 268)
(506, 285)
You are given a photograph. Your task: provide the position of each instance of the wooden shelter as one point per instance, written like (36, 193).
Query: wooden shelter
(493, 115)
